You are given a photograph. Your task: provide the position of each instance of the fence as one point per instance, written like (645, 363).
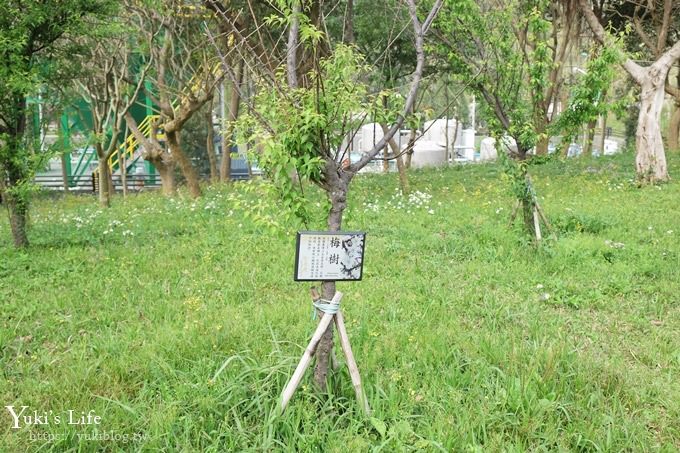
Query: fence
(91, 184)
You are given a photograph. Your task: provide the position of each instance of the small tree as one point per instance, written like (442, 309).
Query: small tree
(301, 129)
(502, 52)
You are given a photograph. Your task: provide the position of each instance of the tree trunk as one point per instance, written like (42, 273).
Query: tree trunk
(188, 170)
(210, 146)
(403, 177)
(104, 181)
(589, 137)
(234, 104)
(167, 173)
(674, 129)
(650, 161)
(348, 28)
(18, 212)
(386, 149)
(603, 135)
(411, 144)
(123, 172)
(338, 198)
(64, 170)
(541, 130)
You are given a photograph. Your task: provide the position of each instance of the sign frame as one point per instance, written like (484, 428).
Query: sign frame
(328, 233)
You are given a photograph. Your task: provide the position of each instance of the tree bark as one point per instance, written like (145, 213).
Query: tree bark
(337, 194)
(188, 170)
(18, 212)
(603, 135)
(541, 130)
(589, 137)
(166, 170)
(292, 47)
(411, 144)
(674, 129)
(403, 177)
(650, 161)
(234, 105)
(64, 172)
(348, 28)
(104, 181)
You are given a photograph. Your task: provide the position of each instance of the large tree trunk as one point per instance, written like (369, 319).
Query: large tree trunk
(188, 170)
(234, 105)
(650, 161)
(166, 170)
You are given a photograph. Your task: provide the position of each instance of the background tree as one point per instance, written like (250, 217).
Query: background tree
(512, 57)
(110, 77)
(650, 159)
(28, 33)
(184, 75)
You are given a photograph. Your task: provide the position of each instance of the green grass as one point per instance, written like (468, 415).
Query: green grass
(467, 337)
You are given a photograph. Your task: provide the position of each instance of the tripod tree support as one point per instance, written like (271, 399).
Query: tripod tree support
(306, 359)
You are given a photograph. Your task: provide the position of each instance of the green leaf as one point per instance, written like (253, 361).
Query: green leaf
(379, 426)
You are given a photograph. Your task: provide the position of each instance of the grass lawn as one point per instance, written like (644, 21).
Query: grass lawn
(178, 322)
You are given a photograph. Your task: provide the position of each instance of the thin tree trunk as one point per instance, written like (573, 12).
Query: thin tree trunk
(650, 161)
(527, 199)
(674, 129)
(603, 135)
(18, 212)
(589, 137)
(403, 177)
(210, 145)
(64, 172)
(188, 170)
(104, 181)
(338, 198)
(292, 48)
(123, 172)
(411, 144)
(386, 149)
(348, 29)
(234, 104)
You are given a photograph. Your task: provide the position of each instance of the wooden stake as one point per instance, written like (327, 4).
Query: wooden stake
(542, 215)
(316, 296)
(537, 225)
(351, 363)
(307, 356)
